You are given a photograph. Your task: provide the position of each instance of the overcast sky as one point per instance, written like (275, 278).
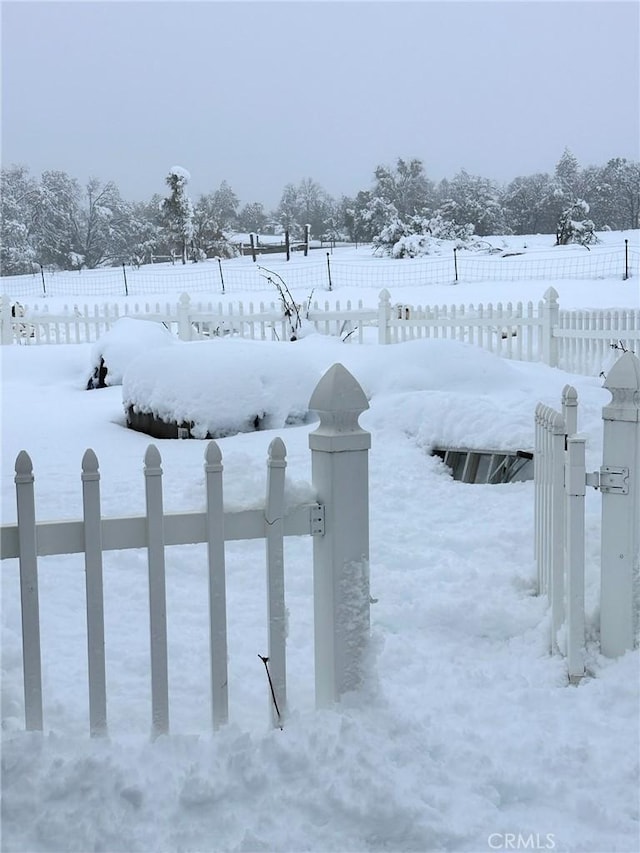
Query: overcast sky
(262, 94)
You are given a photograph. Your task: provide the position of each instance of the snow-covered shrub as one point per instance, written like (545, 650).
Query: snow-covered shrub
(572, 229)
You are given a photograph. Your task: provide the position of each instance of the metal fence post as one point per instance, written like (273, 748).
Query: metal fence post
(340, 466)
(620, 487)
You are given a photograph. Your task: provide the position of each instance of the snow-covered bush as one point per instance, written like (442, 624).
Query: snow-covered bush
(421, 235)
(572, 229)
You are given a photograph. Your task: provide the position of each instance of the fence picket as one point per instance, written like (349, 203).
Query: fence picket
(274, 537)
(95, 600)
(31, 663)
(157, 592)
(575, 480)
(217, 585)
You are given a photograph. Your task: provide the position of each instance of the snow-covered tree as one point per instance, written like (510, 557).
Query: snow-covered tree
(101, 226)
(472, 200)
(19, 194)
(573, 229)
(614, 194)
(57, 220)
(305, 204)
(530, 205)
(253, 218)
(405, 186)
(178, 210)
(567, 174)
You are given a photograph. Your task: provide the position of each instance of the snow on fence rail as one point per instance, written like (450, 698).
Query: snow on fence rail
(560, 486)
(325, 271)
(576, 341)
(338, 522)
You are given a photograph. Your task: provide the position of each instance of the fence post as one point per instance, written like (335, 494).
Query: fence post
(329, 271)
(626, 260)
(6, 326)
(570, 409)
(620, 487)
(31, 664)
(384, 315)
(340, 474)
(184, 323)
(575, 489)
(550, 319)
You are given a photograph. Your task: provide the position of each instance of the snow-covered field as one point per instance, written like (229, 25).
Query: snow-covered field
(466, 736)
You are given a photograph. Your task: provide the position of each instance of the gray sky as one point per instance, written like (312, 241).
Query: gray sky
(262, 94)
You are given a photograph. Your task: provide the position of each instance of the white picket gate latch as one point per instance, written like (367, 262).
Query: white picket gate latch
(610, 480)
(316, 519)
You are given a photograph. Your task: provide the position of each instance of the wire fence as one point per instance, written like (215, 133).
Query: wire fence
(325, 271)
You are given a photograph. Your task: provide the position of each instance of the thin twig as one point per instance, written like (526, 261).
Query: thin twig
(265, 661)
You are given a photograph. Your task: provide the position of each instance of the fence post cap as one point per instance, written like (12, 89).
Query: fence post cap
(339, 400)
(277, 450)
(89, 461)
(623, 383)
(213, 454)
(625, 373)
(23, 465)
(551, 295)
(152, 460)
(385, 296)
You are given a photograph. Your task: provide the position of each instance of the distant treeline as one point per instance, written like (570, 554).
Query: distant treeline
(54, 221)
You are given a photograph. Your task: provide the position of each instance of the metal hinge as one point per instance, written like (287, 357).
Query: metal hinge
(610, 480)
(316, 519)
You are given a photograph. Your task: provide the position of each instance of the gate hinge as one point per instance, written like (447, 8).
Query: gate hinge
(316, 519)
(610, 480)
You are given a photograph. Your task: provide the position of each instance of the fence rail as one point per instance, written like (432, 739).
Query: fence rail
(330, 272)
(576, 341)
(560, 487)
(338, 522)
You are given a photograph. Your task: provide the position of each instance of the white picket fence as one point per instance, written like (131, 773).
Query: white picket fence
(338, 522)
(576, 341)
(560, 487)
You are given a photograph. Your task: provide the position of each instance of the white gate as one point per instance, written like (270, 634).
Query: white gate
(560, 486)
(338, 521)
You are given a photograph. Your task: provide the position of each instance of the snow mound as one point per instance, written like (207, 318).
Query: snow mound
(126, 340)
(222, 386)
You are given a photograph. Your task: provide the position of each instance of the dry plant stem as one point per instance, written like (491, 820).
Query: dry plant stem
(265, 661)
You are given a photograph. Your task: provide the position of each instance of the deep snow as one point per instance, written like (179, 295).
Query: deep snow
(466, 733)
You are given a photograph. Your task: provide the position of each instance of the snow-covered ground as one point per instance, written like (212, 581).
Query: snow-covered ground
(466, 736)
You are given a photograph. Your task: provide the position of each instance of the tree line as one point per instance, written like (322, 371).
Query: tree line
(54, 221)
